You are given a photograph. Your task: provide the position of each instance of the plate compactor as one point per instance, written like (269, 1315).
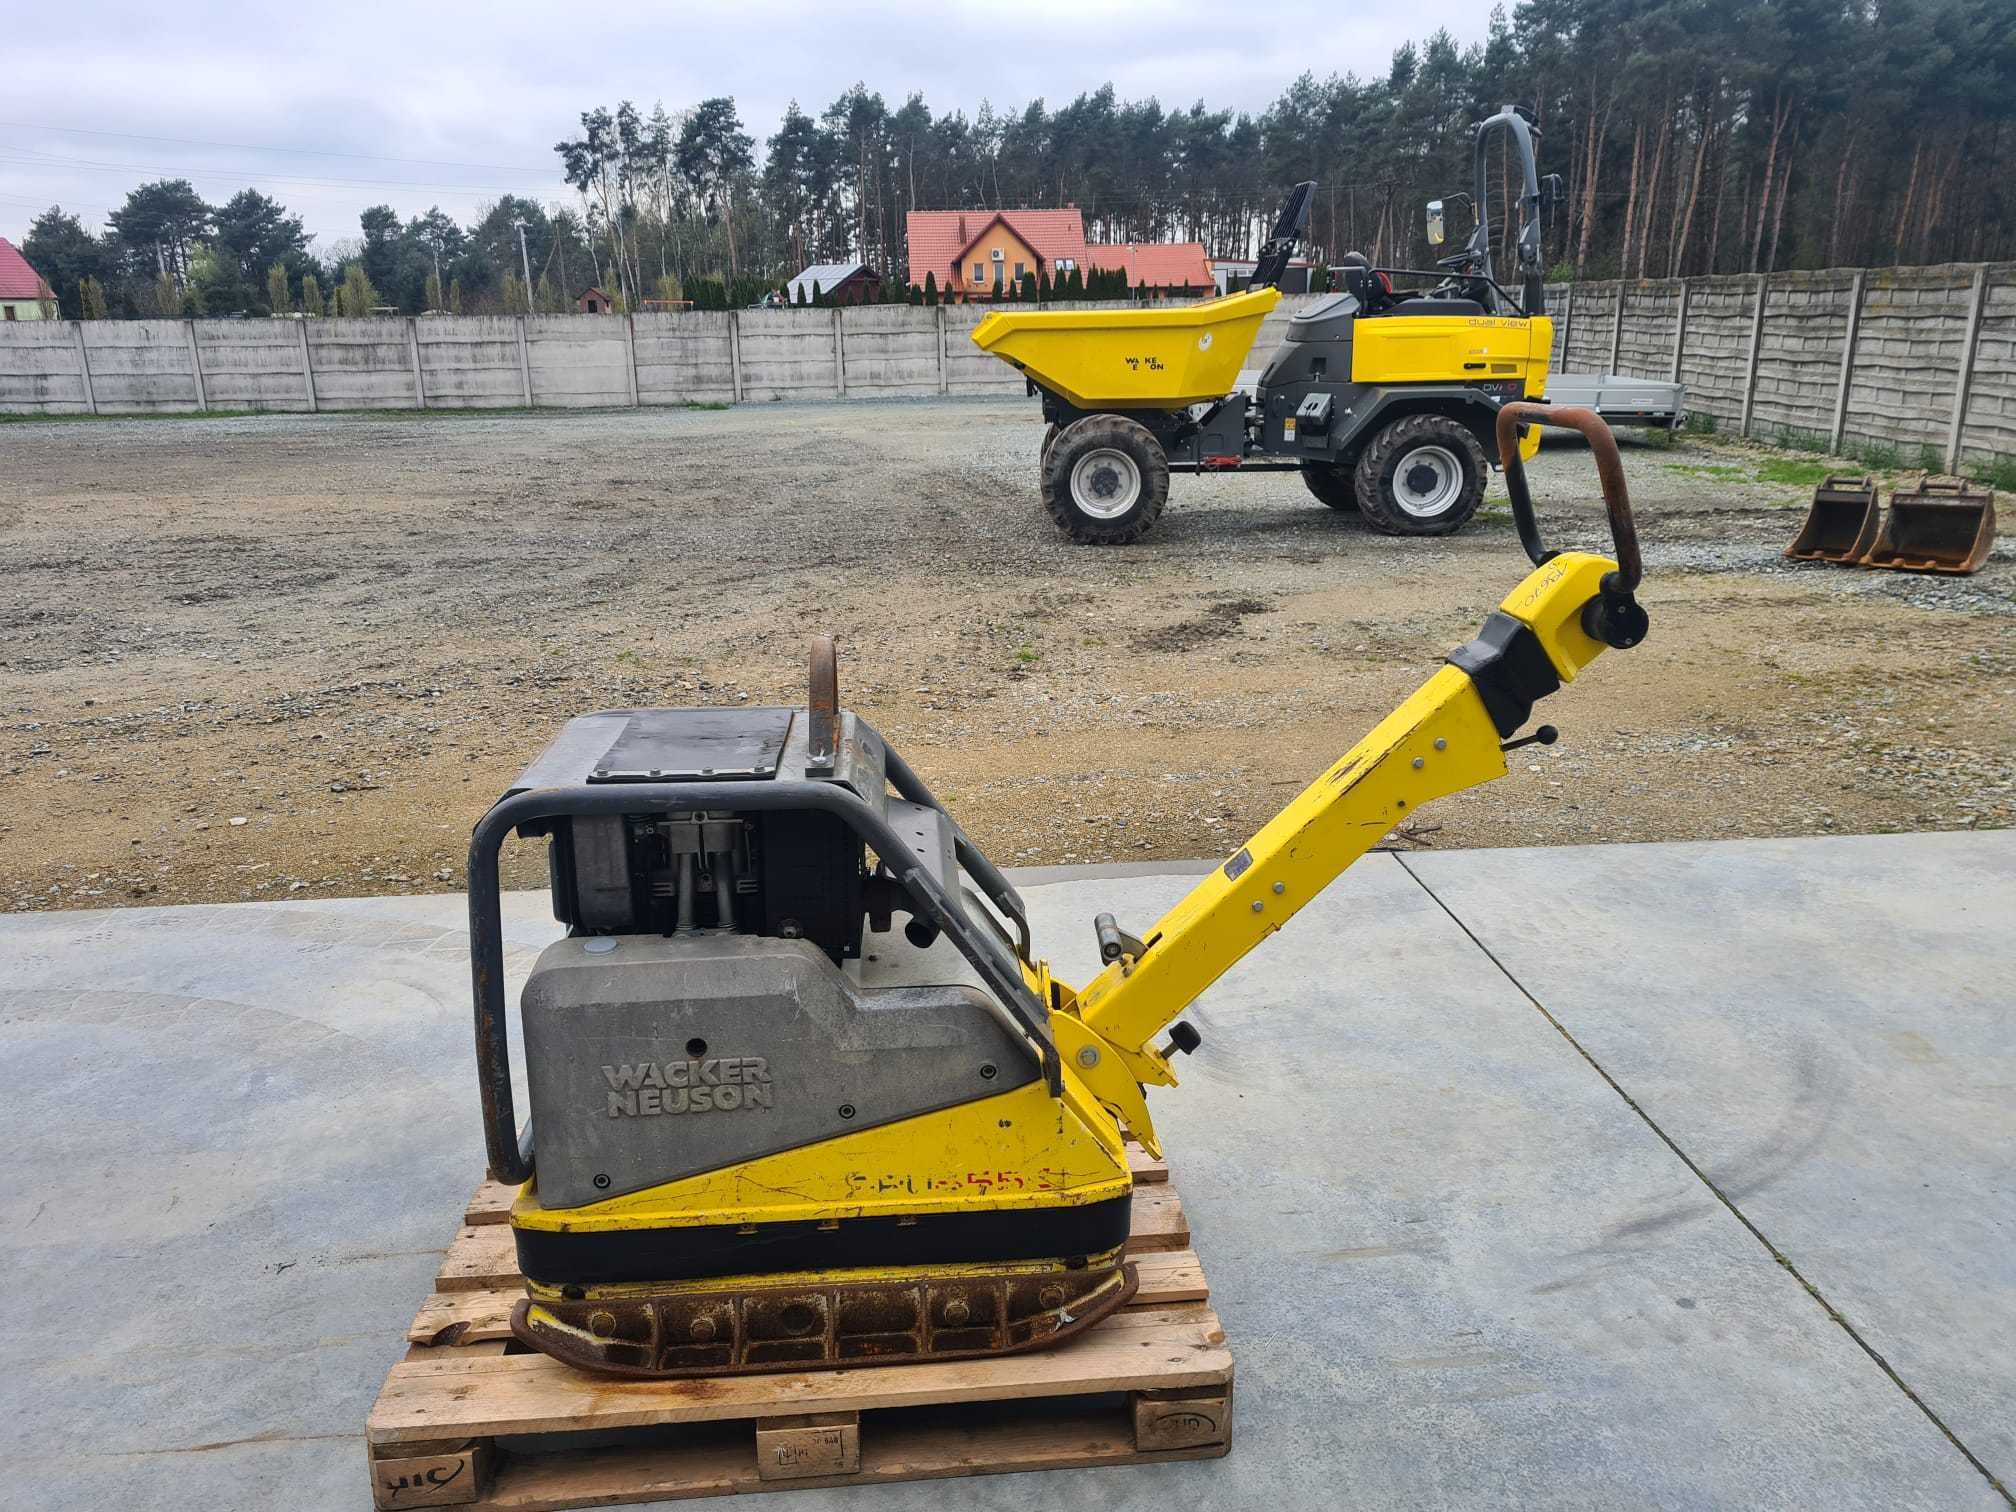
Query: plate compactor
(769, 1133)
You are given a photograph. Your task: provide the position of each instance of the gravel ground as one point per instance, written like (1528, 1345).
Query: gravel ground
(253, 657)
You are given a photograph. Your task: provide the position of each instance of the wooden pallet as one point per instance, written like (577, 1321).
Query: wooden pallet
(468, 1419)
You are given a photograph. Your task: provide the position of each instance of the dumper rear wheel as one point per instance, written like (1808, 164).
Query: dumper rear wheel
(1105, 480)
(1332, 484)
(1422, 475)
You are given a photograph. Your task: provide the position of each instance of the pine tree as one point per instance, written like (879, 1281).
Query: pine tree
(916, 295)
(1074, 285)
(1043, 283)
(91, 298)
(798, 295)
(1029, 288)
(311, 295)
(436, 299)
(455, 296)
(514, 295)
(167, 298)
(817, 297)
(276, 290)
(547, 300)
(931, 287)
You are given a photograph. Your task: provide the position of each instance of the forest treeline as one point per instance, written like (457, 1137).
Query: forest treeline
(1691, 136)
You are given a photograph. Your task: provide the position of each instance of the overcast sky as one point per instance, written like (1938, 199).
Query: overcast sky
(333, 109)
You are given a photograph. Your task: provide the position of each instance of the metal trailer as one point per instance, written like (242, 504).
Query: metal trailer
(1622, 401)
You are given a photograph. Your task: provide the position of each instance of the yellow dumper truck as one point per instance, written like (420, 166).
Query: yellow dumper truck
(1383, 398)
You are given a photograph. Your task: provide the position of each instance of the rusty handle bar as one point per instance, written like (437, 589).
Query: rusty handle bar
(1609, 471)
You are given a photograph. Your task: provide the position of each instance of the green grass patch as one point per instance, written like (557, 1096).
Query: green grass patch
(1793, 472)
(1027, 656)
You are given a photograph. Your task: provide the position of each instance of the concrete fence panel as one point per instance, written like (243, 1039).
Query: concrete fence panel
(251, 364)
(364, 363)
(40, 369)
(141, 366)
(1799, 353)
(968, 370)
(1588, 349)
(889, 349)
(789, 354)
(1907, 356)
(1990, 430)
(1717, 355)
(1645, 344)
(469, 361)
(579, 361)
(688, 358)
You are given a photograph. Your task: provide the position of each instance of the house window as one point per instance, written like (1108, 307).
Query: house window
(10, 312)
(1018, 272)
(979, 273)
(1066, 264)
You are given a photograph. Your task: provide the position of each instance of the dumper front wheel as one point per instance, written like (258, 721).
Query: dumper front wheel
(1105, 480)
(1422, 475)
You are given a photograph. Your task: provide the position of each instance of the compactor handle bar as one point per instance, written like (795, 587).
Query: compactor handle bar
(1609, 471)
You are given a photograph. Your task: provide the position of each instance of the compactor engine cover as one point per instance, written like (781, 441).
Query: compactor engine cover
(772, 1130)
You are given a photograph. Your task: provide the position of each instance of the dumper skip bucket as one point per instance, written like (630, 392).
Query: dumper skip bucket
(1942, 525)
(1842, 523)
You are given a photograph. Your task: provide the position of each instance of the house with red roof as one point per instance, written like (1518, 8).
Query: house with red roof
(979, 253)
(24, 293)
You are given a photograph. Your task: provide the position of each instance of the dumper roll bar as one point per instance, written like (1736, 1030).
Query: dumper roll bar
(1533, 294)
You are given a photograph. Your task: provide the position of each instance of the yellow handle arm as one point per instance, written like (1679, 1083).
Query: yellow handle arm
(1441, 740)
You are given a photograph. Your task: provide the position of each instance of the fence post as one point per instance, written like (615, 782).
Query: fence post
(413, 350)
(1680, 331)
(524, 363)
(839, 356)
(307, 365)
(1847, 362)
(196, 365)
(84, 366)
(944, 362)
(630, 345)
(1617, 330)
(1974, 308)
(1756, 344)
(735, 353)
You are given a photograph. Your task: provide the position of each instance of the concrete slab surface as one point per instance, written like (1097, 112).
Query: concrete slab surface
(1828, 1028)
(1456, 1266)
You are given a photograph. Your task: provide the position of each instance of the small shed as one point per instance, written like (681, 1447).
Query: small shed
(595, 302)
(838, 283)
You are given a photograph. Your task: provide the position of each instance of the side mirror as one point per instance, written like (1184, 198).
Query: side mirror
(1436, 235)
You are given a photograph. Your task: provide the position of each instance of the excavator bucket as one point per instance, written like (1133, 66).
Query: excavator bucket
(1942, 525)
(1841, 525)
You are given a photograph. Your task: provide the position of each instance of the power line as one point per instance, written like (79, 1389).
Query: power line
(373, 157)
